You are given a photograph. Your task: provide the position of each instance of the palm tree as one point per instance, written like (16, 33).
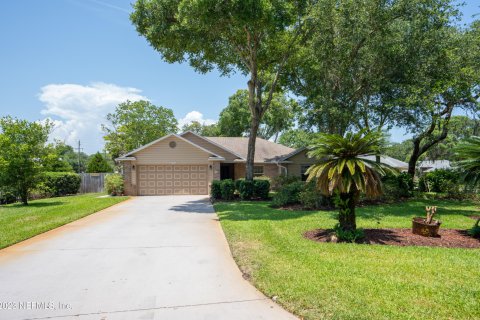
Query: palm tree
(343, 169)
(469, 151)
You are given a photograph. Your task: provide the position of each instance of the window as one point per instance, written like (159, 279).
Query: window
(258, 170)
(304, 169)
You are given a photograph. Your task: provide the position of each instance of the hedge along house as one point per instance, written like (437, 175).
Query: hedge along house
(187, 163)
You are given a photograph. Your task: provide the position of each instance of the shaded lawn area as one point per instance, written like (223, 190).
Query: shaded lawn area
(355, 281)
(18, 222)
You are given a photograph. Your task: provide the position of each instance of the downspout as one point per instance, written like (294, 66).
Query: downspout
(280, 166)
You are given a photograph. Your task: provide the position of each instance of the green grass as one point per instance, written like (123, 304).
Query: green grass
(354, 281)
(19, 222)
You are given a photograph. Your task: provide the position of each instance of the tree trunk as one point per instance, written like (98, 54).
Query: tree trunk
(251, 146)
(24, 197)
(412, 163)
(347, 217)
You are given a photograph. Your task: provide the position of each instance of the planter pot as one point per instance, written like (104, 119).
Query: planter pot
(420, 227)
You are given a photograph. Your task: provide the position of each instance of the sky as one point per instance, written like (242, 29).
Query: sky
(73, 61)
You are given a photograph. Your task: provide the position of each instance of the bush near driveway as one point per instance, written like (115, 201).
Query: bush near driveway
(227, 189)
(114, 184)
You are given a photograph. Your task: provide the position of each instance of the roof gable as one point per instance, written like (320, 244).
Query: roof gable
(166, 137)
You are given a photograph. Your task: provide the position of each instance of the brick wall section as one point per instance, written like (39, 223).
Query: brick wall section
(216, 170)
(239, 171)
(269, 170)
(130, 190)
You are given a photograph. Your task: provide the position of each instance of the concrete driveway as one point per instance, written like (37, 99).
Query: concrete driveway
(146, 258)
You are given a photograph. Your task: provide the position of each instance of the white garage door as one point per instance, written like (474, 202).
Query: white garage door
(172, 179)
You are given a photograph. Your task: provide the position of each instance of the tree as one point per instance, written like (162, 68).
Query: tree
(97, 163)
(206, 130)
(399, 150)
(447, 79)
(54, 162)
(348, 69)
(297, 138)
(256, 38)
(235, 119)
(66, 153)
(469, 153)
(340, 169)
(134, 124)
(22, 146)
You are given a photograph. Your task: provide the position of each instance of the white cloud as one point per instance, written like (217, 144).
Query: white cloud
(194, 116)
(78, 111)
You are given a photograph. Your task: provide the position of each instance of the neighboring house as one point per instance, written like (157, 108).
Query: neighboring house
(187, 163)
(389, 161)
(432, 165)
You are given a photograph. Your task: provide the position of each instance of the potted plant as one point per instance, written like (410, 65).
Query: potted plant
(427, 227)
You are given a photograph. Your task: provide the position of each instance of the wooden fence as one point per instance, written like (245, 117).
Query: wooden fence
(92, 182)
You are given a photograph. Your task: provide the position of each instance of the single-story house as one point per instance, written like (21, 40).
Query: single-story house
(432, 165)
(187, 163)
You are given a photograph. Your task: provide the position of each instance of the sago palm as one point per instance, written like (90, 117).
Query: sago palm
(469, 152)
(342, 169)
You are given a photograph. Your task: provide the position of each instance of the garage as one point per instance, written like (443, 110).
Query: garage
(167, 179)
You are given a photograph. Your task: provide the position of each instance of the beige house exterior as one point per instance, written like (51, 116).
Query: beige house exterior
(187, 163)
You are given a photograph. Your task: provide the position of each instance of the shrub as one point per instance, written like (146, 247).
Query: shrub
(349, 235)
(246, 189)
(216, 189)
(278, 182)
(237, 184)
(440, 180)
(114, 184)
(227, 189)
(475, 231)
(312, 198)
(58, 184)
(7, 196)
(288, 194)
(261, 188)
(397, 186)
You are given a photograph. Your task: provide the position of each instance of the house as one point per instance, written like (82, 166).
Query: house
(389, 161)
(432, 165)
(187, 163)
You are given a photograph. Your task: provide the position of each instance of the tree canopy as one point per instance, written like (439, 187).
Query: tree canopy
(97, 164)
(23, 148)
(256, 38)
(134, 124)
(235, 119)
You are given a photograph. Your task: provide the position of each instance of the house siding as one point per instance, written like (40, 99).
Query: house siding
(294, 168)
(183, 153)
(130, 188)
(269, 170)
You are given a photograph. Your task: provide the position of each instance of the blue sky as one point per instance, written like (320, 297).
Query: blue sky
(74, 60)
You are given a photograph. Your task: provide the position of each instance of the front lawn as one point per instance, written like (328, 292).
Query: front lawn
(355, 281)
(19, 222)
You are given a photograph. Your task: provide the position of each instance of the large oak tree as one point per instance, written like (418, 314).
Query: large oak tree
(256, 38)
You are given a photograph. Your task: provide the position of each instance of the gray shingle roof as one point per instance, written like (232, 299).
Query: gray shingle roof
(265, 151)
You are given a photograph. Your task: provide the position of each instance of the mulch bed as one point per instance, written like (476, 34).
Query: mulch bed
(449, 238)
